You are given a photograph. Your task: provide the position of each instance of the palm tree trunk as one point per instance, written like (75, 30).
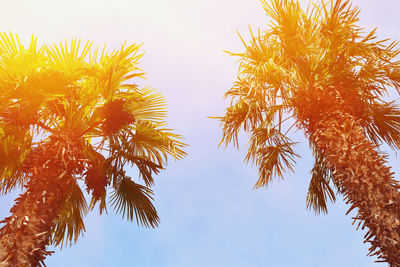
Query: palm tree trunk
(27, 232)
(365, 182)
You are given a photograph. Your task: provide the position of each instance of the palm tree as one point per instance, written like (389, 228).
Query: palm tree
(72, 118)
(317, 71)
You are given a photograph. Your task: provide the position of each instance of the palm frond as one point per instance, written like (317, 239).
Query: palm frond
(113, 70)
(50, 82)
(382, 123)
(69, 57)
(146, 147)
(9, 44)
(15, 144)
(319, 189)
(150, 141)
(248, 112)
(146, 167)
(134, 201)
(145, 104)
(285, 14)
(235, 117)
(102, 203)
(272, 152)
(74, 60)
(18, 64)
(69, 224)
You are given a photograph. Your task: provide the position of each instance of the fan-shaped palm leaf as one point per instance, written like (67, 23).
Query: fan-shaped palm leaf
(134, 201)
(14, 146)
(99, 122)
(69, 224)
(319, 189)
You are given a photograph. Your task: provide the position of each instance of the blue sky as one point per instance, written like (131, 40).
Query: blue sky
(210, 215)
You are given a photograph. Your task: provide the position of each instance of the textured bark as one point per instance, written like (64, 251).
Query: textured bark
(26, 233)
(364, 180)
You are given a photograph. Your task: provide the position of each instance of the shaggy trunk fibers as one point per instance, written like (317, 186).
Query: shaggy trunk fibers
(26, 233)
(365, 182)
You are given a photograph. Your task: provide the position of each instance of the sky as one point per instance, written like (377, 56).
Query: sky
(210, 214)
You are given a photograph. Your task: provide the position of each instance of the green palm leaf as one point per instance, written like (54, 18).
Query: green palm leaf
(272, 152)
(113, 70)
(382, 123)
(15, 144)
(69, 57)
(18, 64)
(146, 167)
(150, 141)
(134, 201)
(319, 189)
(69, 224)
(145, 104)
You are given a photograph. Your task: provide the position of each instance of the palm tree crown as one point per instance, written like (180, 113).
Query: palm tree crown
(76, 108)
(310, 66)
